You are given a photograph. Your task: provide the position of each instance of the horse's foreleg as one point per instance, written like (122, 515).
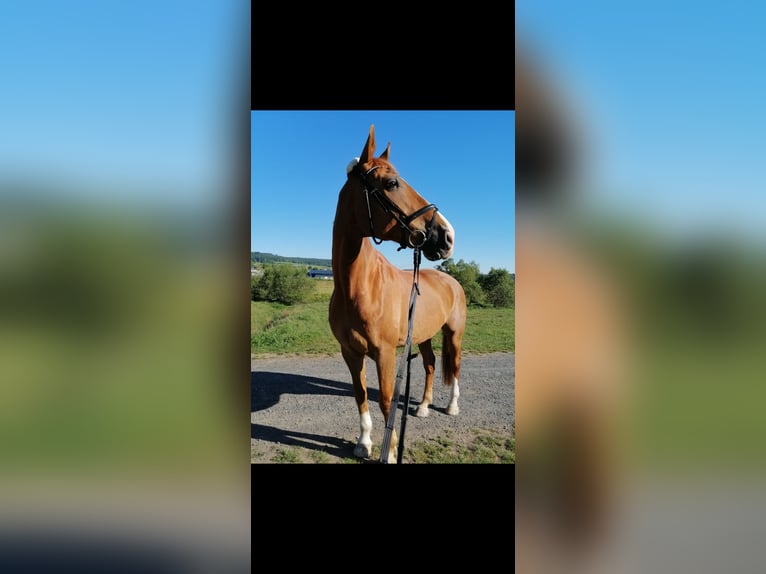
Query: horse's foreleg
(429, 360)
(356, 367)
(386, 366)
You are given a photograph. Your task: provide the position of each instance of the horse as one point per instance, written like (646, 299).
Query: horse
(572, 326)
(368, 310)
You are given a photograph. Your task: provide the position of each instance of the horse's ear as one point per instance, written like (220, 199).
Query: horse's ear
(384, 155)
(369, 147)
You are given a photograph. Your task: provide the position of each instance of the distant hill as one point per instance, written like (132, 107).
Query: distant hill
(258, 257)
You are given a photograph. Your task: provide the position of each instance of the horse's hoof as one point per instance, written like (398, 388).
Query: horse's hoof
(422, 411)
(362, 451)
(453, 410)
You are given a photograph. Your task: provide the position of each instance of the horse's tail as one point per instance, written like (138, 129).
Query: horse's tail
(450, 357)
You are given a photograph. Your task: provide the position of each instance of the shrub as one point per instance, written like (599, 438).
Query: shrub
(282, 283)
(499, 287)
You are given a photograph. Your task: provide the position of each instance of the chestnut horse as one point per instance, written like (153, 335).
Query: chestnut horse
(370, 300)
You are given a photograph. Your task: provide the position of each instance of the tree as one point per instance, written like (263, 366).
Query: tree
(499, 286)
(467, 274)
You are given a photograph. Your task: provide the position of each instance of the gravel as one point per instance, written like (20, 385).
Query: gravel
(305, 406)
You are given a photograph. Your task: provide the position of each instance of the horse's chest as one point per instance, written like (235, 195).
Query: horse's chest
(360, 326)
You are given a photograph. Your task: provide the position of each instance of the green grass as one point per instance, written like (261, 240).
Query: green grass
(304, 328)
(489, 330)
(262, 314)
(281, 329)
(701, 404)
(128, 382)
(485, 447)
(319, 457)
(286, 456)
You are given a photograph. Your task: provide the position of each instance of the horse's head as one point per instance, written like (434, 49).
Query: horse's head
(392, 210)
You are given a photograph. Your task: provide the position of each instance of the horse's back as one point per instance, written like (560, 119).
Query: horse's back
(443, 296)
(445, 285)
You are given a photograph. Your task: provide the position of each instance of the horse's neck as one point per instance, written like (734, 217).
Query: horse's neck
(353, 261)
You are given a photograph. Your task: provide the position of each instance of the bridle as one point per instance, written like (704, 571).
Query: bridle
(416, 238)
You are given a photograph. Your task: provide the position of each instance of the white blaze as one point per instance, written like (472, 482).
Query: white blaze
(450, 233)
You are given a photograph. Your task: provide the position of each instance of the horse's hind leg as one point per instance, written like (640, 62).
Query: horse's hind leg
(452, 344)
(429, 360)
(356, 367)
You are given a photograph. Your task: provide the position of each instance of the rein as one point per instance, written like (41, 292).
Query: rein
(406, 358)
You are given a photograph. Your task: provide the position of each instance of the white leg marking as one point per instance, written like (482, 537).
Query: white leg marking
(364, 444)
(422, 410)
(453, 409)
(393, 451)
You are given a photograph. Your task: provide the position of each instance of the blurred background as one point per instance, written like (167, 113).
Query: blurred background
(641, 287)
(124, 182)
(124, 169)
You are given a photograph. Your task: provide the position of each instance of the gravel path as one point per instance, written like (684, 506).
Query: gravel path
(307, 402)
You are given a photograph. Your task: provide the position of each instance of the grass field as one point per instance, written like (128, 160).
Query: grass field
(482, 447)
(304, 328)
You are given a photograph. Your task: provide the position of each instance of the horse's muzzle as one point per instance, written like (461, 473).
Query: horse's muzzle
(441, 242)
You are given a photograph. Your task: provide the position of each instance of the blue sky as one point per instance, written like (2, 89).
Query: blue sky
(121, 98)
(672, 95)
(462, 161)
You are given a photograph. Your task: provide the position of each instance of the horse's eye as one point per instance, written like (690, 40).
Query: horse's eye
(392, 183)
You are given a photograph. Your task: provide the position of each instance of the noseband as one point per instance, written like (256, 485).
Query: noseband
(415, 237)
